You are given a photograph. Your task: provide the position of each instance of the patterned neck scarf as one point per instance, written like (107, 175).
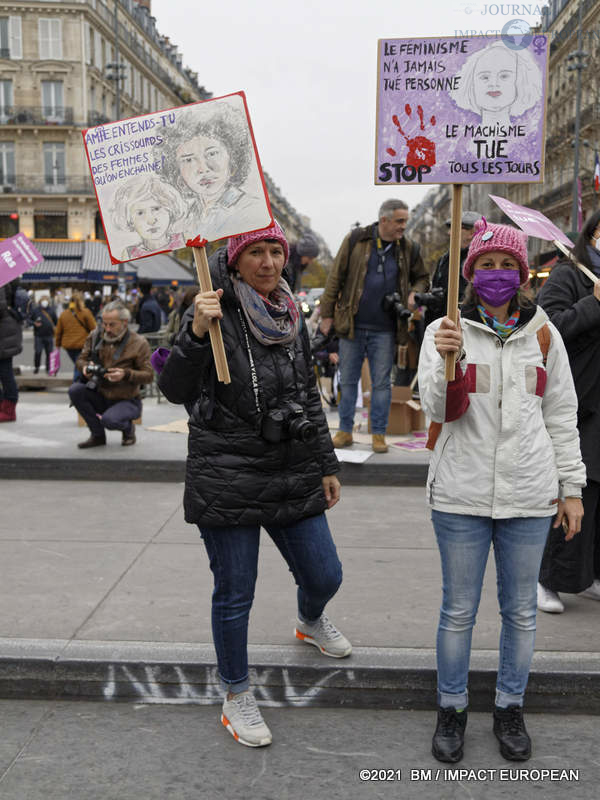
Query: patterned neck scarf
(274, 319)
(503, 329)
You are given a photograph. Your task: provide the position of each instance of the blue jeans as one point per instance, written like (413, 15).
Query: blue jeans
(310, 553)
(100, 413)
(8, 384)
(74, 355)
(379, 347)
(464, 543)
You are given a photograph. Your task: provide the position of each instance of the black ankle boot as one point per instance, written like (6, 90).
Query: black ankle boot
(449, 736)
(509, 729)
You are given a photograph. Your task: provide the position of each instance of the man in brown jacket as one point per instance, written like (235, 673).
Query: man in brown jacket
(372, 265)
(116, 362)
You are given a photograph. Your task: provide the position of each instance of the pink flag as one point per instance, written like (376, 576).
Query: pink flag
(17, 255)
(533, 222)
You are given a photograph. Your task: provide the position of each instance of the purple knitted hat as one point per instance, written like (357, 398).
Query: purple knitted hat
(489, 237)
(236, 244)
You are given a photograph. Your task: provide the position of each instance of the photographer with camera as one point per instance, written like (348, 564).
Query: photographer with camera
(435, 301)
(368, 297)
(115, 363)
(259, 454)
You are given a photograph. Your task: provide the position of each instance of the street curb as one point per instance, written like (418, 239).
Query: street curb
(291, 675)
(172, 471)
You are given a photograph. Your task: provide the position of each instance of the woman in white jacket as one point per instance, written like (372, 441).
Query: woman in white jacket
(505, 459)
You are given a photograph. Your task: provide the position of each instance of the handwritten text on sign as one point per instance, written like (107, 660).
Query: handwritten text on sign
(461, 110)
(167, 177)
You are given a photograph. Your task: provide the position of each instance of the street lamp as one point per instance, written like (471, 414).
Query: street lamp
(577, 62)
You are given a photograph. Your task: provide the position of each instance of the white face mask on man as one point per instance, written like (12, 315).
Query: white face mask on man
(44, 304)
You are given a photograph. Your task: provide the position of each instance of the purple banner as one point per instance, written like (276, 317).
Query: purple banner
(17, 255)
(533, 222)
(461, 110)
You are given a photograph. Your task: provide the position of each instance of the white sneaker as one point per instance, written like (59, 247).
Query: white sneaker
(549, 601)
(242, 718)
(324, 635)
(593, 591)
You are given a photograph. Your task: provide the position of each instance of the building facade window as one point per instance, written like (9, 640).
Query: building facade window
(97, 51)
(54, 167)
(50, 225)
(7, 166)
(9, 224)
(50, 38)
(53, 104)
(6, 100)
(99, 229)
(11, 45)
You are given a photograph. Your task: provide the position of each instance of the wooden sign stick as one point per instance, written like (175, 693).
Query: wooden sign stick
(454, 270)
(216, 337)
(587, 272)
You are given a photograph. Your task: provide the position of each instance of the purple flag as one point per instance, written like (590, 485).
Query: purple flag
(17, 255)
(533, 222)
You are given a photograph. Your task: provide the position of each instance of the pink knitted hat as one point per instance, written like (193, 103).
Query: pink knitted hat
(236, 244)
(489, 237)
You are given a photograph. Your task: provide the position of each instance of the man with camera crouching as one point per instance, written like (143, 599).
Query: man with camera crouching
(368, 298)
(115, 363)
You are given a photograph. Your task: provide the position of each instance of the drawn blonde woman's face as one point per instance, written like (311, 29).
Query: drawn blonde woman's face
(495, 80)
(204, 166)
(150, 220)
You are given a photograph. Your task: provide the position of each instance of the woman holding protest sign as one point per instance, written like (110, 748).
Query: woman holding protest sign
(505, 459)
(572, 302)
(260, 454)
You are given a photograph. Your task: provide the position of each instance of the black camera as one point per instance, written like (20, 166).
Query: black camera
(393, 303)
(288, 422)
(95, 372)
(435, 298)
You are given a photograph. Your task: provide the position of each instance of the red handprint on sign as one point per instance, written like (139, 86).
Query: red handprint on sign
(421, 150)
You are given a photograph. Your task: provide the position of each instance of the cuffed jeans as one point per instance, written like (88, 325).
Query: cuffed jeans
(100, 413)
(379, 347)
(464, 543)
(311, 555)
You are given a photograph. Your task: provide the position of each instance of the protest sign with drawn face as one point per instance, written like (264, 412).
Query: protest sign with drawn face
(171, 176)
(460, 110)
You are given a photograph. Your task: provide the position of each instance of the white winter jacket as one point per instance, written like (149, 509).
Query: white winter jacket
(515, 450)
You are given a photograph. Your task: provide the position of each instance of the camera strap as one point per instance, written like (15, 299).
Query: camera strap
(381, 250)
(253, 371)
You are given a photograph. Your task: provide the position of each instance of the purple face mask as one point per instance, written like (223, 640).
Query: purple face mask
(496, 286)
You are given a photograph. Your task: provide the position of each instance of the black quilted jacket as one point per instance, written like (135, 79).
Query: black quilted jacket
(233, 475)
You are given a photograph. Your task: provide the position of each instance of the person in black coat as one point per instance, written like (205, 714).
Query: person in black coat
(259, 454)
(572, 301)
(44, 323)
(11, 344)
(149, 314)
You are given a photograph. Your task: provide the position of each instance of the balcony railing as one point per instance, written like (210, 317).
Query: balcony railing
(36, 115)
(46, 184)
(96, 118)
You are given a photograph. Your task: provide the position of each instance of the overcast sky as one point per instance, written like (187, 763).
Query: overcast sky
(308, 68)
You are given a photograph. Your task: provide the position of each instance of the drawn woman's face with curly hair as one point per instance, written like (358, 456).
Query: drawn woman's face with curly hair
(204, 165)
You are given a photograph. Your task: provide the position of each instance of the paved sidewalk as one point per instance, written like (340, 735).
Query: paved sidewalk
(106, 594)
(125, 751)
(42, 444)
